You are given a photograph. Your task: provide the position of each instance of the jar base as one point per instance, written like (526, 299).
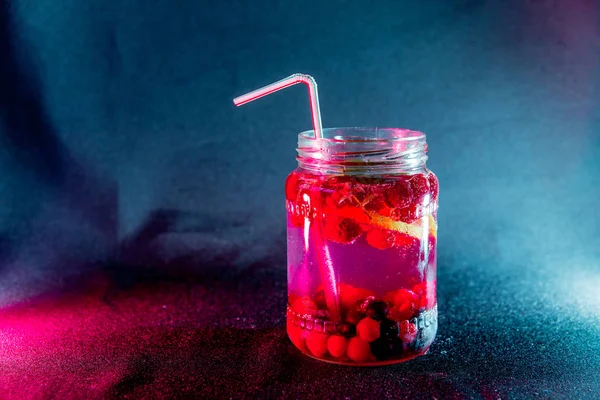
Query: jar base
(386, 363)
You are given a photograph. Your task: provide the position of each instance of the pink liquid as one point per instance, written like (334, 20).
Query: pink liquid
(371, 241)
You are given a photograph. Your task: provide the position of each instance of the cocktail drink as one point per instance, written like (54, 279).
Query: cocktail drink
(361, 237)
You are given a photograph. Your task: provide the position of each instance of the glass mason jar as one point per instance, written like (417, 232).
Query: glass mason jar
(361, 236)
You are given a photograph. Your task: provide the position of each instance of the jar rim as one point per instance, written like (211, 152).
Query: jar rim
(363, 134)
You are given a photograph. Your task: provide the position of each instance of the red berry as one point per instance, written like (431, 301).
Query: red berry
(337, 346)
(356, 213)
(342, 196)
(433, 185)
(405, 240)
(368, 329)
(426, 294)
(420, 188)
(408, 214)
(405, 304)
(353, 317)
(349, 296)
(341, 230)
(358, 350)
(304, 306)
(291, 186)
(375, 203)
(381, 239)
(317, 343)
(399, 195)
(296, 219)
(408, 331)
(295, 334)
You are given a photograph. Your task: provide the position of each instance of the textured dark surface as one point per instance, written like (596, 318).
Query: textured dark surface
(142, 216)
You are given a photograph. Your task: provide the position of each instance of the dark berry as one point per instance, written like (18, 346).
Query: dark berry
(322, 314)
(396, 347)
(363, 304)
(375, 203)
(380, 349)
(346, 329)
(319, 299)
(377, 309)
(354, 316)
(389, 329)
(360, 192)
(384, 348)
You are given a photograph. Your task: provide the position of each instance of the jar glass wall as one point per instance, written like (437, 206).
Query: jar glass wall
(361, 232)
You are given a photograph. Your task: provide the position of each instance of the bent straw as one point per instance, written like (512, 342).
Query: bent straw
(324, 260)
(291, 80)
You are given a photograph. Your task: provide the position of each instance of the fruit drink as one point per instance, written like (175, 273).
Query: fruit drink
(373, 225)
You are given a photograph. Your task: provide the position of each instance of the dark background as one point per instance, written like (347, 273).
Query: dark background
(142, 248)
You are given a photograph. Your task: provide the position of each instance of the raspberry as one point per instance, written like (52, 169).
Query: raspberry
(304, 306)
(360, 191)
(368, 329)
(433, 186)
(341, 230)
(291, 186)
(408, 214)
(404, 240)
(399, 195)
(405, 303)
(295, 335)
(420, 188)
(317, 343)
(337, 346)
(426, 294)
(342, 196)
(296, 220)
(408, 331)
(349, 296)
(375, 203)
(358, 350)
(355, 213)
(381, 239)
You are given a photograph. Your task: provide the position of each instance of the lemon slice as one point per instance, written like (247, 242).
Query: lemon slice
(415, 230)
(432, 226)
(398, 226)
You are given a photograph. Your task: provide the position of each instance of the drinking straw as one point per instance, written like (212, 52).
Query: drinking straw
(291, 80)
(324, 260)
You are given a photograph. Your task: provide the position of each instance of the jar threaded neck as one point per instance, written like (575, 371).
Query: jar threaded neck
(362, 151)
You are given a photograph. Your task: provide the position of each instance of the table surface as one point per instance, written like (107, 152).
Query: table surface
(142, 242)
